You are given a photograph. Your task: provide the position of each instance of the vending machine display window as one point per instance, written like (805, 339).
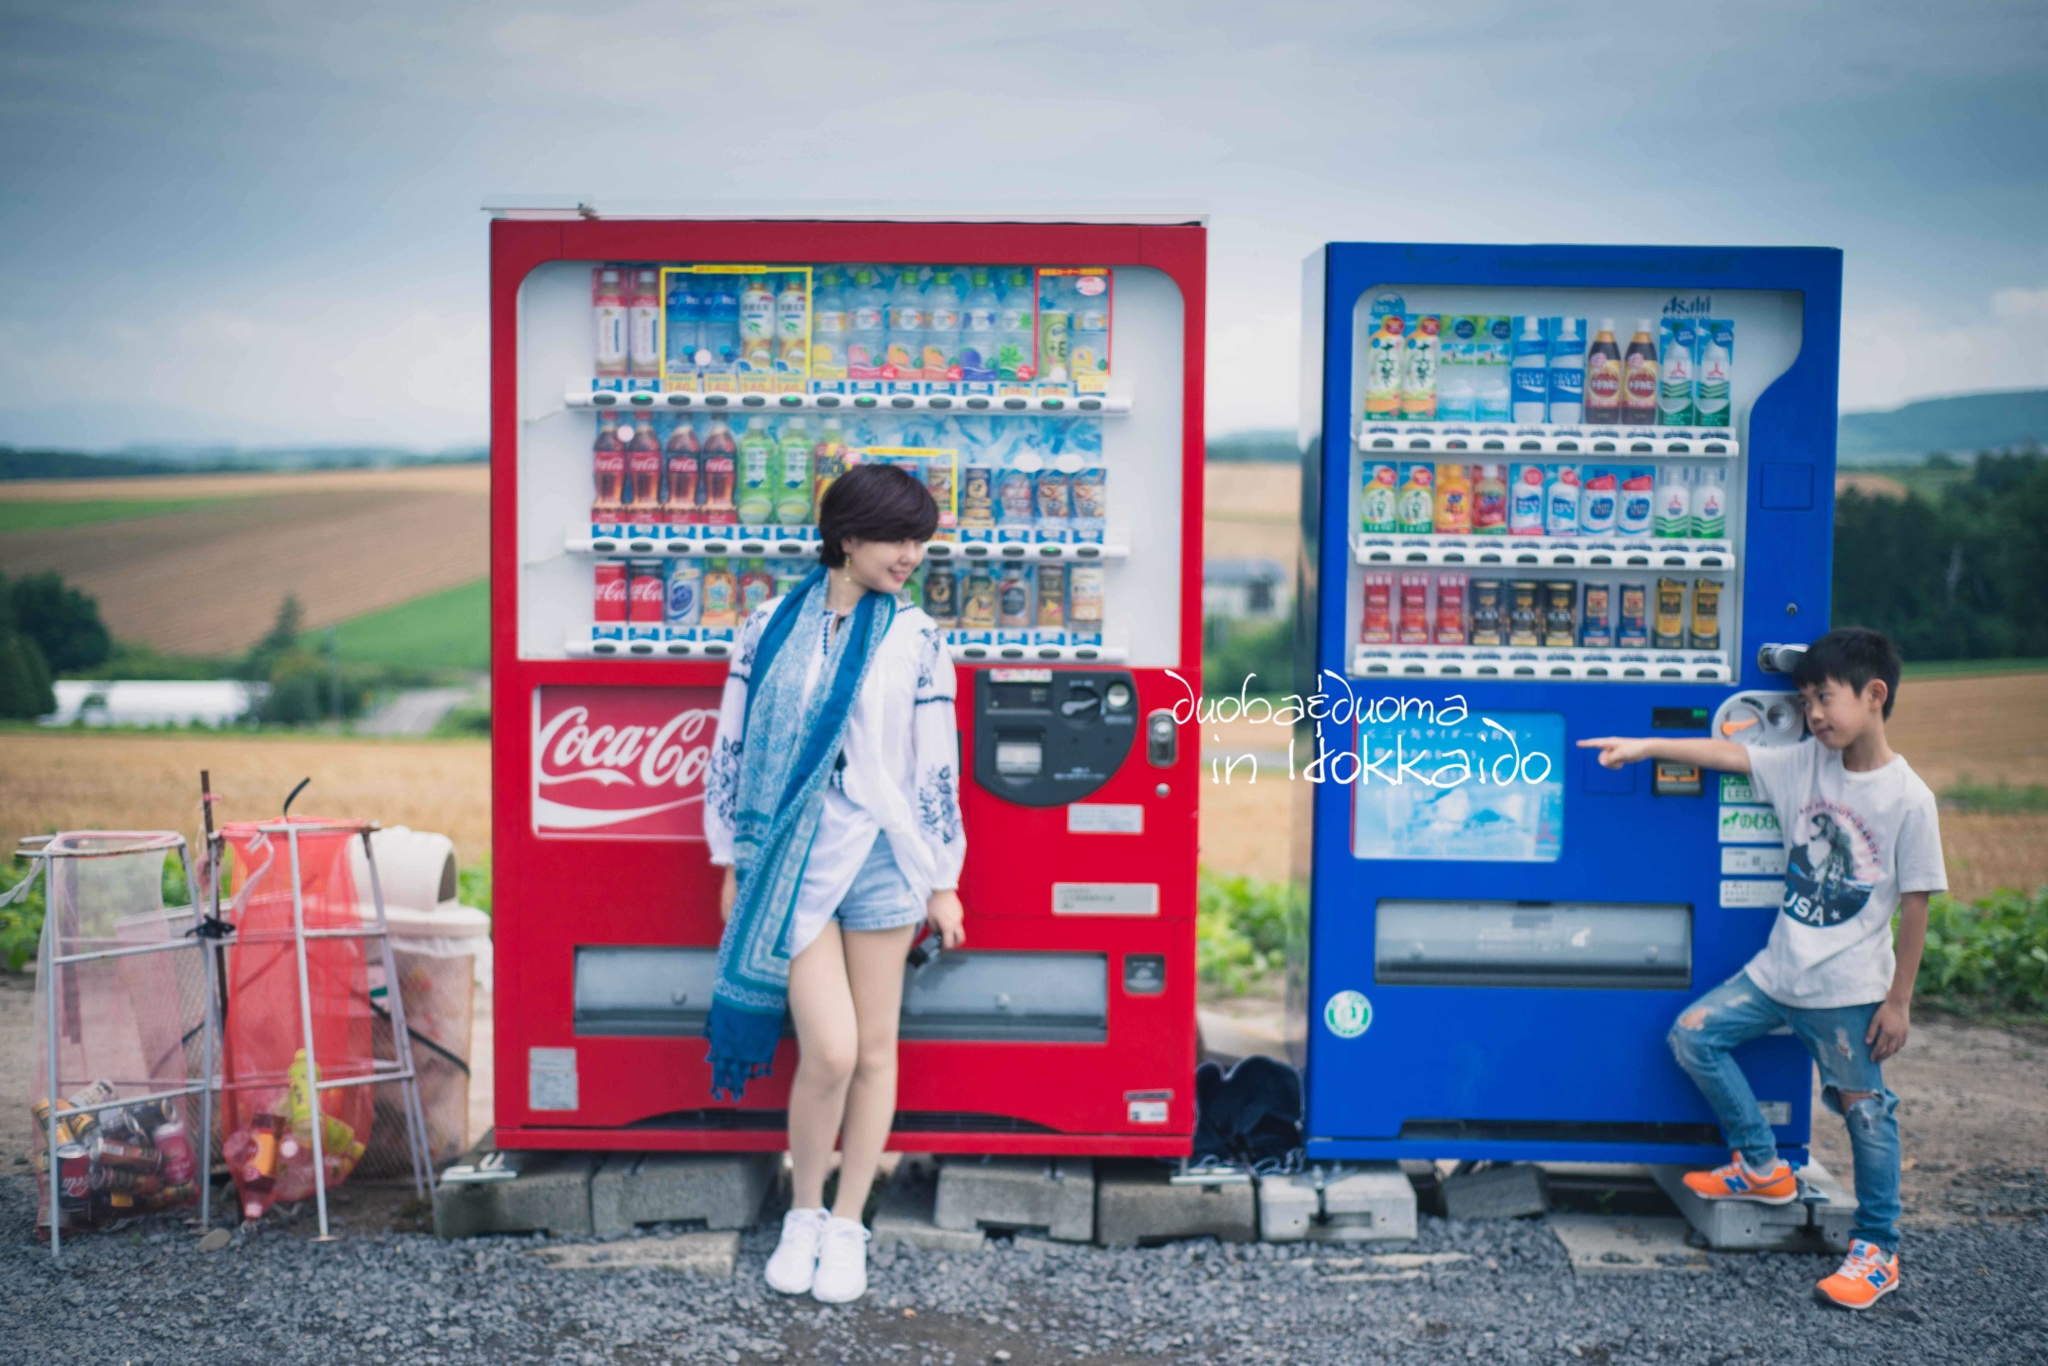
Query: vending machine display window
(1476, 788)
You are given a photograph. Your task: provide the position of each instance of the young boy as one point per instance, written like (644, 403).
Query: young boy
(1862, 843)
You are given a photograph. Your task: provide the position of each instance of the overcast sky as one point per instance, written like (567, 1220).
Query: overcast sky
(258, 222)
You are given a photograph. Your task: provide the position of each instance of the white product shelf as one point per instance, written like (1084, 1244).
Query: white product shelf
(1391, 438)
(1451, 661)
(1377, 551)
(581, 646)
(800, 543)
(579, 394)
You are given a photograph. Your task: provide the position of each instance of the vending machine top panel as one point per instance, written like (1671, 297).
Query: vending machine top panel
(573, 206)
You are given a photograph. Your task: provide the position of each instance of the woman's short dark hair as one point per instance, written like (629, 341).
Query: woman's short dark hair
(874, 502)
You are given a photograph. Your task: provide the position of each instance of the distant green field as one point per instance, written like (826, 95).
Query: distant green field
(49, 516)
(1952, 668)
(446, 630)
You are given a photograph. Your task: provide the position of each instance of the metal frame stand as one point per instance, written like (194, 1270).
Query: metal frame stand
(398, 1069)
(143, 842)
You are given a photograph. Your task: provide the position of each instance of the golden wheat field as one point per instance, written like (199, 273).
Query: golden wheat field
(82, 780)
(207, 580)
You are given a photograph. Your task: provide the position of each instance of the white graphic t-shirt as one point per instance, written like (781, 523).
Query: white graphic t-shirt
(1854, 843)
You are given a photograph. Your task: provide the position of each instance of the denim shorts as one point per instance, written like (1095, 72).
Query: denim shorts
(879, 898)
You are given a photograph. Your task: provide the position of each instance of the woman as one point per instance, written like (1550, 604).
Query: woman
(832, 803)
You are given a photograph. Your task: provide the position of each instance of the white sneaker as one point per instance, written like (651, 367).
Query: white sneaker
(842, 1262)
(796, 1257)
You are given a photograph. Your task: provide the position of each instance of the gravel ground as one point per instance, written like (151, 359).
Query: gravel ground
(1975, 1293)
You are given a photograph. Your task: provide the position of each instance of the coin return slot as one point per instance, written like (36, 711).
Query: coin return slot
(1019, 758)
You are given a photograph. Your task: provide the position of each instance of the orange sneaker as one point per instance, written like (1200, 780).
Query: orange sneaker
(1736, 1182)
(1868, 1274)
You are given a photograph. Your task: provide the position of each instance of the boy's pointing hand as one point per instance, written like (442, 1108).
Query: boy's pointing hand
(1616, 750)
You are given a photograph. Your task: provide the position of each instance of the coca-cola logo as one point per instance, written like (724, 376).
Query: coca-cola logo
(621, 763)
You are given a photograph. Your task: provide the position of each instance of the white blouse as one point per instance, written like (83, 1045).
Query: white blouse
(900, 775)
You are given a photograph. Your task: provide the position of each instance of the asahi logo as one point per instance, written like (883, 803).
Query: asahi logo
(1698, 306)
(621, 763)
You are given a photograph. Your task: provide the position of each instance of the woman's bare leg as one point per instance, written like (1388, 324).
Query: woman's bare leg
(874, 971)
(827, 1038)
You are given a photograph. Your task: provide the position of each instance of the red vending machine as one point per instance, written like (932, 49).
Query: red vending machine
(669, 397)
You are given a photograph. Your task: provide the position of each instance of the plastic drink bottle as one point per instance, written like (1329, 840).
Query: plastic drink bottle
(867, 334)
(757, 585)
(719, 351)
(1674, 501)
(1415, 504)
(1457, 396)
(828, 459)
(1489, 500)
(828, 329)
(721, 461)
(1639, 377)
(643, 315)
(1530, 372)
(1568, 372)
(1599, 501)
(1716, 372)
(1710, 502)
(792, 326)
(757, 325)
(1418, 368)
(608, 311)
(683, 459)
(1453, 499)
(685, 322)
(1603, 376)
(1525, 501)
(608, 469)
(979, 342)
(1383, 368)
(643, 469)
(793, 480)
(1376, 503)
(905, 359)
(1055, 329)
(721, 594)
(1674, 375)
(942, 331)
(1088, 344)
(1561, 501)
(1638, 493)
(1017, 331)
(1493, 393)
(756, 502)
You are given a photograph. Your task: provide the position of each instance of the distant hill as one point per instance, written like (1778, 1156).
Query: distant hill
(1959, 426)
(43, 464)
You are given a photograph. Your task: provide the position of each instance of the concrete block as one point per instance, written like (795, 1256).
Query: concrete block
(515, 1192)
(1612, 1244)
(1822, 1215)
(905, 1213)
(1370, 1202)
(1055, 1196)
(1507, 1192)
(1137, 1204)
(720, 1190)
(707, 1254)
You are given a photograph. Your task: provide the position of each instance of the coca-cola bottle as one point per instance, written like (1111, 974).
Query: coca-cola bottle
(720, 458)
(608, 464)
(643, 468)
(685, 462)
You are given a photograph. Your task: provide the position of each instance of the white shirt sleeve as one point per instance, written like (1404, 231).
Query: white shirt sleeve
(1919, 861)
(1774, 769)
(722, 778)
(935, 738)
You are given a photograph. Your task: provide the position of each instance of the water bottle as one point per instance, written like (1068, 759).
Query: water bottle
(1088, 343)
(829, 328)
(718, 351)
(1568, 372)
(1674, 501)
(685, 322)
(1456, 383)
(1017, 331)
(866, 327)
(905, 361)
(942, 334)
(1530, 375)
(1710, 503)
(978, 339)
(1492, 392)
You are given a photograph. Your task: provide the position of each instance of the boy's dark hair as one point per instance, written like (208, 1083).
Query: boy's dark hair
(874, 503)
(1852, 655)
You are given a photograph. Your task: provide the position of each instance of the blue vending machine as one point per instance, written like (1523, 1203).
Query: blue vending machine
(1549, 493)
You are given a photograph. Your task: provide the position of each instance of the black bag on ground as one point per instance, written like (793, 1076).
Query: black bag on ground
(1249, 1116)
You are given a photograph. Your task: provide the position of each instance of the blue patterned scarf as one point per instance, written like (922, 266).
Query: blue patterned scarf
(786, 757)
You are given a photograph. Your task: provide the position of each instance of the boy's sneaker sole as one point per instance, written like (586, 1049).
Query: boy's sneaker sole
(1752, 1199)
(1825, 1298)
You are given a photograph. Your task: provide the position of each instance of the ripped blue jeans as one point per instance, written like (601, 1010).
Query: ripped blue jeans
(1736, 1012)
